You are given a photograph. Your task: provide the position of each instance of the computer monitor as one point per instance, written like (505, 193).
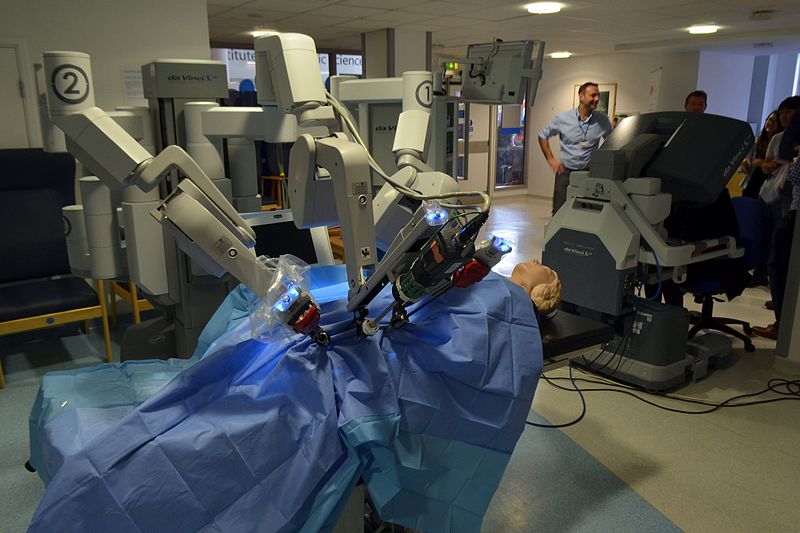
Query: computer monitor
(694, 154)
(499, 77)
(276, 235)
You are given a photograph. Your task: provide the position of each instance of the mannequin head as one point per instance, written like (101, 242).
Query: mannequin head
(541, 283)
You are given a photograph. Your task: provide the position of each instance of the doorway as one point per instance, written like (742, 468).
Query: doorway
(18, 94)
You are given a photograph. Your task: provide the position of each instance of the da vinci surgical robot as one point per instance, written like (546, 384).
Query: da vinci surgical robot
(434, 251)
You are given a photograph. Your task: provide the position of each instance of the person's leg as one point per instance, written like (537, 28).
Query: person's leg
(784, 233)
(778, 271)
(760, 271)
(560, 190)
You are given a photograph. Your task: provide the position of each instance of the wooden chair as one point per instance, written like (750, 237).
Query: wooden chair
(337, 245)
(37, 289)
(131, 296)
(276, 191)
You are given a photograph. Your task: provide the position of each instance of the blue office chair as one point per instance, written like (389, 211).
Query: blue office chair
(748, 216)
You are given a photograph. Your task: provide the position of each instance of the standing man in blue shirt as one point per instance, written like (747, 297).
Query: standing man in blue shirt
(580, 131)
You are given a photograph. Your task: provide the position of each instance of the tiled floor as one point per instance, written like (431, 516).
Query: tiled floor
(732, 470)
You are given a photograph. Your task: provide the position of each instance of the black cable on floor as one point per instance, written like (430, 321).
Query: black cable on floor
(566, 424)
(784, 387)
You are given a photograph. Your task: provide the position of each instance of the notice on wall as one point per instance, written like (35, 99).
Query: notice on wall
(132, 81)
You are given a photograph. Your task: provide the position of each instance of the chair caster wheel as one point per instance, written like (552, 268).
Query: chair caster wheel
(748, 330)
(749, 347)
(29, 467)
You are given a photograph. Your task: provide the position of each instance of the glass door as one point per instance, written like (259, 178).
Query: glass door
(510, 161)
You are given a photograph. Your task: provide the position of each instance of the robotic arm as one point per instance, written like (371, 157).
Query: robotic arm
(196, 214)
(429, 247)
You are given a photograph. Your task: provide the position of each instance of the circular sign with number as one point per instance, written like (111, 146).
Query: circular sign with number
(70, 84)
(425, 93)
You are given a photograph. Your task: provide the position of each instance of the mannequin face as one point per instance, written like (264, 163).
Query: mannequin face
(531, 274)
(541, 283)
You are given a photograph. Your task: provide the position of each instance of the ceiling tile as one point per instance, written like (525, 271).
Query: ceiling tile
(352, 12)
(399, 17)
(363, 25)
(292, 6)
(384, 4)
(499, 13)
(256, 16)
(300, 23)
(443, 8)
(585, 25)
(428, 25)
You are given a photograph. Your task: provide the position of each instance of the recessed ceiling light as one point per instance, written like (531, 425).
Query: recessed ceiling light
(261, 33)
(560, 55)
(703, 29)
(544, 8)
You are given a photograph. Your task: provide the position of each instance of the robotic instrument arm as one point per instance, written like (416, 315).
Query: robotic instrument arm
(196, 214)
(429, 253)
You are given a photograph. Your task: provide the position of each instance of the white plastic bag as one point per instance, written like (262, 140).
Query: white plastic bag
(267, 319)
(771, 189)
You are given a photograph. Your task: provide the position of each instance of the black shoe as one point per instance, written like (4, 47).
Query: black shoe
(758, 282)
(769, 305)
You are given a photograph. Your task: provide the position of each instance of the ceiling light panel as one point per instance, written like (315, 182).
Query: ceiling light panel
(544, 8)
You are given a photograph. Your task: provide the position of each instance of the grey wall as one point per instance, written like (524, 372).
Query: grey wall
(631, 73)
(119, 35)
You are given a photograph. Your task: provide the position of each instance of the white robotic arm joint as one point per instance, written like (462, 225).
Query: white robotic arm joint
(103, 146)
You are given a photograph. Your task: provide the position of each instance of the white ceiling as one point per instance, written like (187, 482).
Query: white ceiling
(582, 27)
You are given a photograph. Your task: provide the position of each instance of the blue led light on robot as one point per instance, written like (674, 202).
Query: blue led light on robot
(286, 299)
(499, 243)
(435, 214)
(502, 245)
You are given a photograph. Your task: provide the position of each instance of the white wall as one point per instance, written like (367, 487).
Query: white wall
(727, 79)
(481, 118)
(118, 34)
(404, 49)
(780, 83)
(410, 50)
(376, 54)
(631, 73)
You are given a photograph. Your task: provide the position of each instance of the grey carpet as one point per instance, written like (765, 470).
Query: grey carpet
(26, 357)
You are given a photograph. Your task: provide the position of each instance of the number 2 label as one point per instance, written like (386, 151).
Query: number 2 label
(70, 84)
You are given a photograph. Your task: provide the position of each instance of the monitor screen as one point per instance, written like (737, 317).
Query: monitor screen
(498, 77)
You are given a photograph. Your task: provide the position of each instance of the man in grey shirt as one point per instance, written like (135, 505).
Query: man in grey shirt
(580, 131)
